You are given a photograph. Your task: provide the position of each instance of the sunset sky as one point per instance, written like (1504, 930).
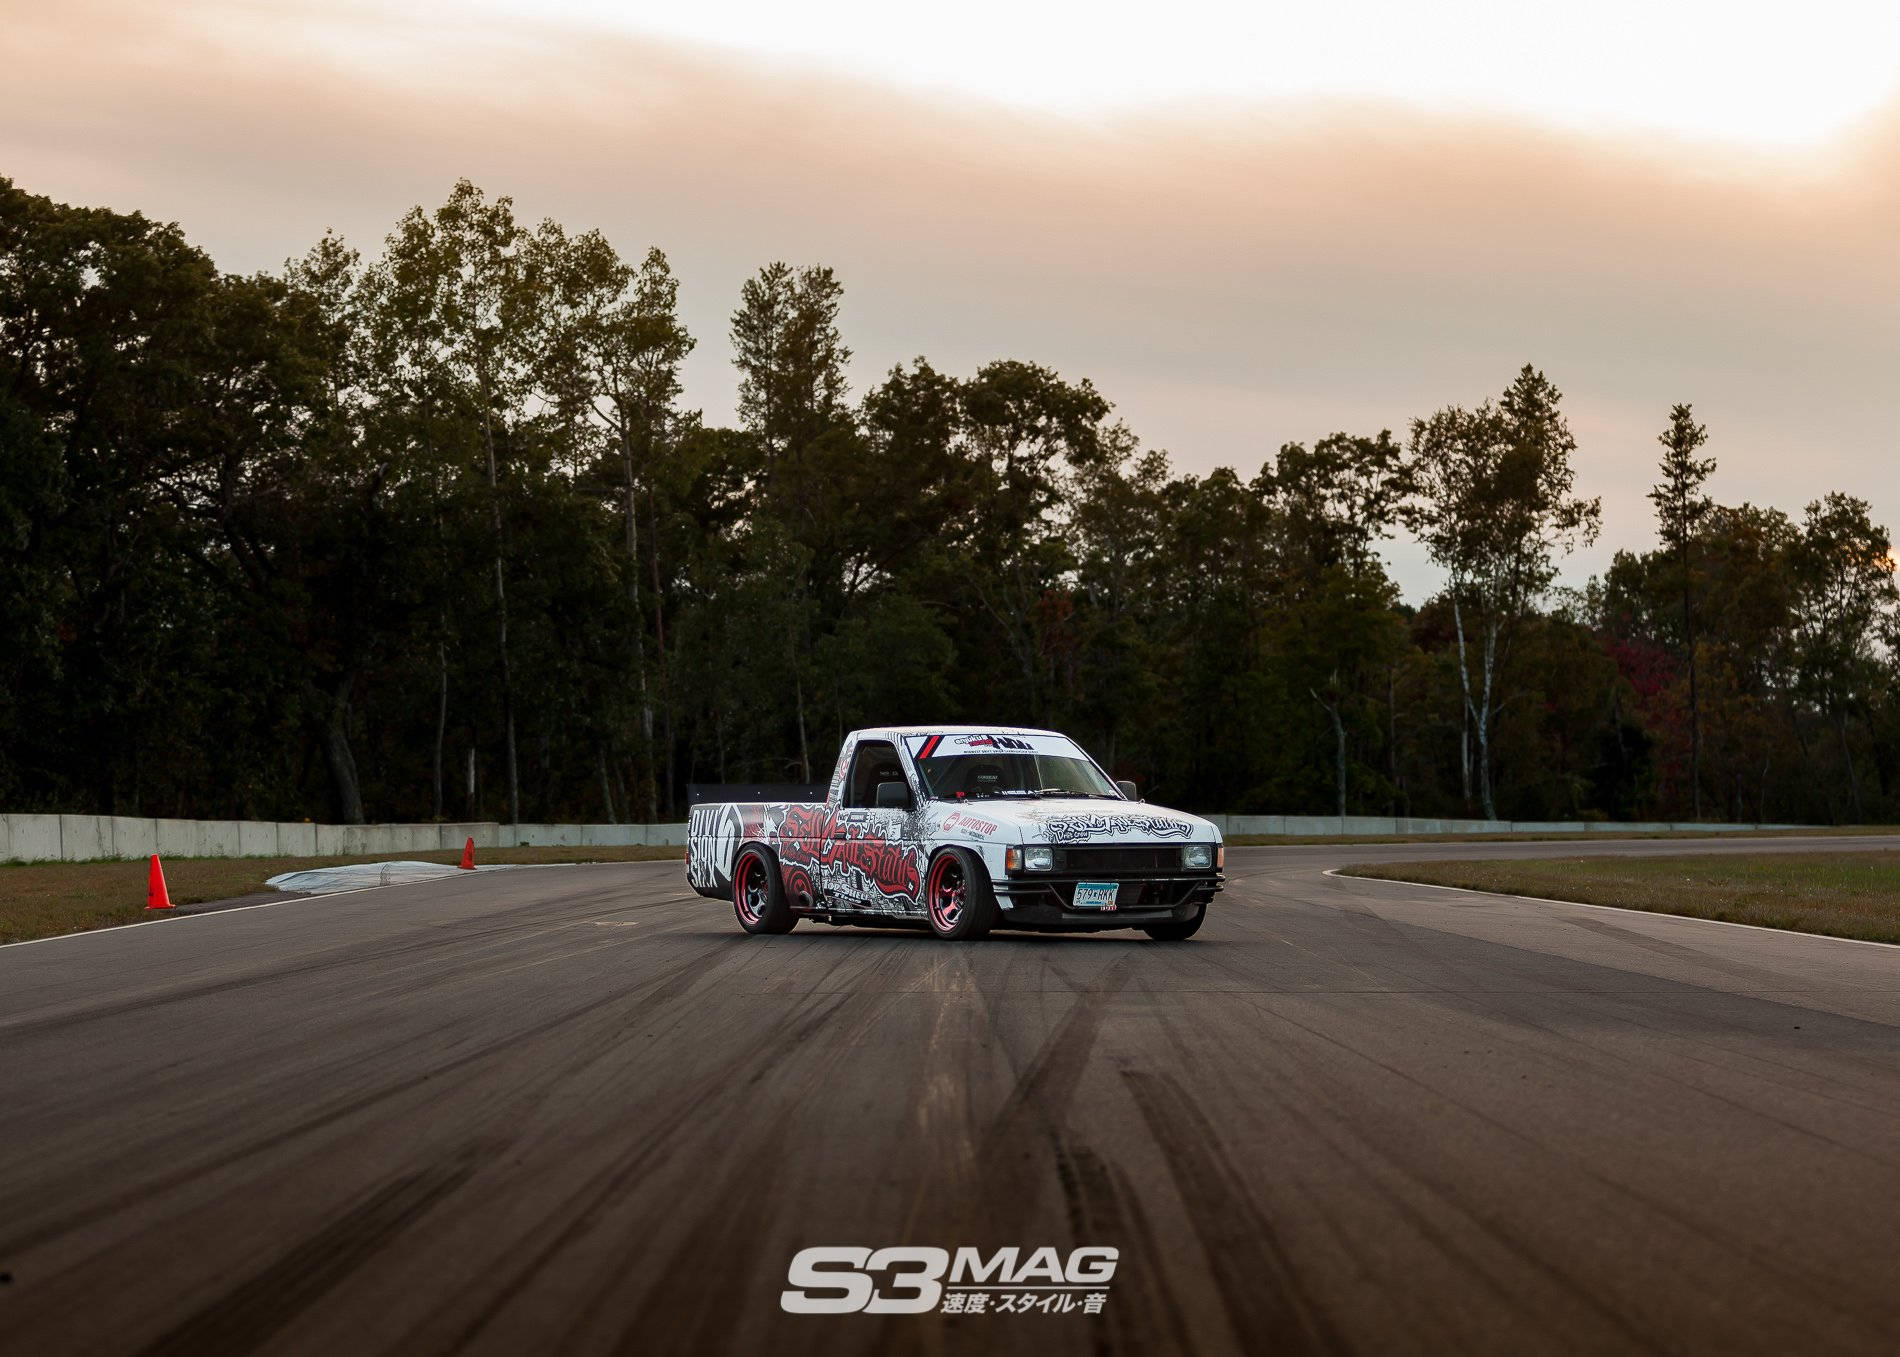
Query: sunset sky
(1247, 224)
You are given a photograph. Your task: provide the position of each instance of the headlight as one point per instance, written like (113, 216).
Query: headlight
(1039, 858)
(1198, 856)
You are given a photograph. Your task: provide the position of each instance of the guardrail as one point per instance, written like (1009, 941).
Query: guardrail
(88, 838)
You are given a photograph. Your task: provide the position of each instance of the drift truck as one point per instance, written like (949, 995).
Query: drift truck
(960, 829)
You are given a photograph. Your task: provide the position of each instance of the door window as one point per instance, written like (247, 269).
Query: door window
(876, 762)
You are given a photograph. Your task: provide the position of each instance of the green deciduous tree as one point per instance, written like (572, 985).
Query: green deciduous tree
(428, 533)
(1496, 507)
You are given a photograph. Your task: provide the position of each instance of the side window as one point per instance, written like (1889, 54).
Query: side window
(876, 762)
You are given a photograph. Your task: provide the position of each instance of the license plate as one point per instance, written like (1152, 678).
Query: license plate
(1096, 894)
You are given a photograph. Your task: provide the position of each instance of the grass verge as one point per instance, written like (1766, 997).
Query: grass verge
(1844, 895)
(44, 899)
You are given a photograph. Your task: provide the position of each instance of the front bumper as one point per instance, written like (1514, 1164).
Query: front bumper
(1042, 900)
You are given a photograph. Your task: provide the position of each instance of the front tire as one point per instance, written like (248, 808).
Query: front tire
(1177, 930)
(758, 893)
(958, 898)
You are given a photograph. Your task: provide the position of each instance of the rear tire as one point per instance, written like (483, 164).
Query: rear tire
(1177, 930)
(758, 893)
(957, 896)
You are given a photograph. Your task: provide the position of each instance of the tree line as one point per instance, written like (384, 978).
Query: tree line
(431, 535)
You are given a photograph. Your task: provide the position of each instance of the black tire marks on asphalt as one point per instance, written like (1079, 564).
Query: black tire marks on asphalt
(245, 1317)
(461, 1071)
(1267, 1302)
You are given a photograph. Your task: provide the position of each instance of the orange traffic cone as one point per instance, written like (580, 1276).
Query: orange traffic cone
(156, 896)
(468, 856)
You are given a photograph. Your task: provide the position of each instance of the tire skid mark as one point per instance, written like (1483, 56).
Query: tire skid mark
(1773, 1263)
(1044, 1089)
(672, 1316)
(668, 987)
(440, 942)
(1013, 1151)
(1585, 1057)
(1266, 1300)
(1755, 976)
(581, 1209)
(435, 936)
(1103, 1208)
(1365, 1158)
(270, 1299)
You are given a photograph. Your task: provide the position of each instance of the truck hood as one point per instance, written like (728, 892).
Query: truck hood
(1075, 820)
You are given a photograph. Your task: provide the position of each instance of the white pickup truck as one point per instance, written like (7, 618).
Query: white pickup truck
(960, 829)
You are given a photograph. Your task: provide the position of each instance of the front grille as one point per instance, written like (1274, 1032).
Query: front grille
(1158, 857)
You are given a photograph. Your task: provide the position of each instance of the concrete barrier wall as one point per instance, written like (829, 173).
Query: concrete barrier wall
(1382, 826)
(84, 838)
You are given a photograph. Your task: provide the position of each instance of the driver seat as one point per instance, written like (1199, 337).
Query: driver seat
(983, 778)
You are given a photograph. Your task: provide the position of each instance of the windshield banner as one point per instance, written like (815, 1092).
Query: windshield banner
(947, 746)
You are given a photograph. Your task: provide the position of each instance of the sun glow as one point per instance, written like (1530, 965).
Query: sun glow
(1735, 71)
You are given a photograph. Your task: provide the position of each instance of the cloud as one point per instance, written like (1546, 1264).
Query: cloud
(1233, 276)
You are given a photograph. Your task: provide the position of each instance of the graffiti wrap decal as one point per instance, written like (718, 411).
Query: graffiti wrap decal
(712, 837)
(832, 845)
(1075, 828)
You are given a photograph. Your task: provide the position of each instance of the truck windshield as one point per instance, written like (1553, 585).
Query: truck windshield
(967, 778)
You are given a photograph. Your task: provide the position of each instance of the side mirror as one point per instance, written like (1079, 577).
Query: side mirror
(1127, 789)
(893, 796)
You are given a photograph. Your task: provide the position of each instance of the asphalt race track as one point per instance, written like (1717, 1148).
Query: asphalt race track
(575, 1109)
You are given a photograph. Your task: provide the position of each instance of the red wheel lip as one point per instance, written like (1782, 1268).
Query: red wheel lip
(938, 916)
(749, 862)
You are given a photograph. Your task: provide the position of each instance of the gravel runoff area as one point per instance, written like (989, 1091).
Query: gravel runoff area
(42, 900)
(1841, 895)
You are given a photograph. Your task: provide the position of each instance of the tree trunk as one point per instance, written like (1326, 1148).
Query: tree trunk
(804, 753)
(1464, 754)
(1467, 713)
(1339, 758)
(336, 751)
(1392, 739)
(633, 594)
(659, 651)
(606, 786)
(1486, 709)
(1853, 779)
(1695, 708)
(501, 618)
(441, 723)
(1339, 750)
